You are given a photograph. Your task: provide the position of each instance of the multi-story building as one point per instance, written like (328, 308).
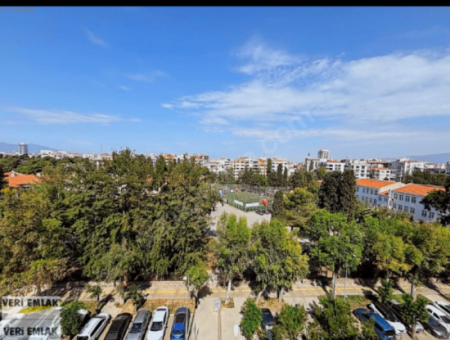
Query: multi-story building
(323, 154)
(381, 173)
(332, 165)
(448, 168)
(361, 168)
(220, 165)
(404, 166)
(397, 196)
(23, 149)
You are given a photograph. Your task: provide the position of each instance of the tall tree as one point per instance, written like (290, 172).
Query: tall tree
(198, 276)
(299, 205)
(278, 205)
(276, 257)
(440, 200)
(251, 319)
(70, 318)
(285, 177)
(232, 247)
(414, 311)
(280, 178)
(291, 322)
(3, 182)
(338, 243)
(321, 173)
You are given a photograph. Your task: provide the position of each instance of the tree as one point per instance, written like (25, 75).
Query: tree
(3, 182)
(285, 177)
(251, 319)
(337, 193)
(368, 330)
(269, 167)
(71, 319)
(198, 276)
(385, 292)
(280, 178)
(136, 296)
(321, 173)
(299, 205)
(337, 243)
(440, 201)
(414, 311)
(290, 322)
(232, 247)
(278, 205)
(301, 179)
(276, 257)
(334, 315)
(95, 293)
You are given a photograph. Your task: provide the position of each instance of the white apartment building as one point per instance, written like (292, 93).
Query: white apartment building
(361, 168)
(404, 166)
(331, 166)
(323, 154)
(397, 196)
(220, 165)
(381, 173)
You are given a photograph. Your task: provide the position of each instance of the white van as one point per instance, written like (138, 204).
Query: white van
(95, 326)
(439, 315)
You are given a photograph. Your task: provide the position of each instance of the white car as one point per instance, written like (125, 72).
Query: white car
(441, 316)
(157, 328)
(389, 316)
(443, 306)
(396, 308)
(94, 328)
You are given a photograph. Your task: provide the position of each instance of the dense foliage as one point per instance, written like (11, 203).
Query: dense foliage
(425, 177)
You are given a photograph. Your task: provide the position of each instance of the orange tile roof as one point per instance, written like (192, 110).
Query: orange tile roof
(332, 162)
(18, 179)
(380, 169)
(372, 183)
(418, 189)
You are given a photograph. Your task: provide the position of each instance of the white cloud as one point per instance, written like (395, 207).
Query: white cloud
(95, 39)
(66, 117)
(364, 99)
(146, 77)
(125, 88)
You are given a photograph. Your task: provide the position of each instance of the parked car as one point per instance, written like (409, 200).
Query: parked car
(396, 309)
(94, 327)
(267, 322)
(444, 306)
(383, 329)
(387, 314)
(438, 314)
(435, 328)
(119, 327)
(180, 326)
(139, 325)
(157, 328)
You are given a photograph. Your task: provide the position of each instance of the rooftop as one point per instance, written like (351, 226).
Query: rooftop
(16, 180)
(418, 189)
(373, 183)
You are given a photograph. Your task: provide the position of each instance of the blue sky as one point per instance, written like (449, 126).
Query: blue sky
(362, 82)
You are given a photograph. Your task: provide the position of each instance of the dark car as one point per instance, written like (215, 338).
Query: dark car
(119, 327)
(180, 324)
(267, 322)
(435, 328)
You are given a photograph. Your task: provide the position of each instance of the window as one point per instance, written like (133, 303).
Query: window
(395, 196)
(424, 213)
(407, 198)
(412, 210)
(413, 199)
(364, 190)
(406, 208)
(385, 199)
(371, 191)
(401, 197)
(357, 188)
(380, 198)
(431, 214)
(375, 192)
(370, 201)
(394, 206)
(400, 207)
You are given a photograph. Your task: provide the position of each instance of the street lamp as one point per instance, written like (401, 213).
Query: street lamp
(345, 284)
(186, 279)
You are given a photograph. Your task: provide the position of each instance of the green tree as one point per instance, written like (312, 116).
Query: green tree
(251, 319)
(440, 201)
(198, 276)
(95, 292)
(232, 247)
(299, 205)
(334, 315)
(269, 166)
(136, 296)
(321, 173)
(278, 205)
(301, 179)
(3, 182)
(285, 177)
(71, 319)
(290, 323)
(280, 178)
(338, 243)
(276, 257)
(368, 330)
(385, 292)
(414, 311)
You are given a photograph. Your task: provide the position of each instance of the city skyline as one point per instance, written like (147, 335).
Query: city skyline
(228, 81)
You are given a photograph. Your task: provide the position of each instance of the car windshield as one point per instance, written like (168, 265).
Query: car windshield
(177, 332)
(180, 318)
(156, 326)
(111, 335)
(445, 319)
(136, 328)
(392, 332)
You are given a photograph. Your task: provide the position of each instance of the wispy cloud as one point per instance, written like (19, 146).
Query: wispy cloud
(95, 39)
(364, 93)
(125, 88)
(146, 77)
(66, 117)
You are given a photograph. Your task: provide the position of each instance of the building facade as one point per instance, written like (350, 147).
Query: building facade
(23, 149)
(323, 154)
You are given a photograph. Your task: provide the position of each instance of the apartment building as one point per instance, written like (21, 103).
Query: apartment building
(323, 154)
(220, 165)
(331, 166)
(361, 168)
(381, 173)
(404, 166)
(397, 196)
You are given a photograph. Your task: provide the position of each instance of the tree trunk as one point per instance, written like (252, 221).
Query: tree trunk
(259, 294)
(228, 290)
(413, 291)
(413, 331)
(280, 294)
(334, 284)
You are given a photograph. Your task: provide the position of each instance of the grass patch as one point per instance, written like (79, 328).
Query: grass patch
(271, 303)
(90, 305)
(230, 303)
(357, 301)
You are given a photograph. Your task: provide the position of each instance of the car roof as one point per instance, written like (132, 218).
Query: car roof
(159, 314)
(90, 324)
(379, 320)
(181, 310)
(434, 309)
(141, 315)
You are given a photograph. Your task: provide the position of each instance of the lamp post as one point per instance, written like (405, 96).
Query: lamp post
(345, 284)
(186, 279)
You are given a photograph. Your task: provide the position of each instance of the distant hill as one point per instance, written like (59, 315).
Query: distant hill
(32, 148)
(435, 158)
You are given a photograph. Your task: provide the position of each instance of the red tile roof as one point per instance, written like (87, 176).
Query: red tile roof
(418, 189)
(372, 183)
(380, 169)
(19, 180)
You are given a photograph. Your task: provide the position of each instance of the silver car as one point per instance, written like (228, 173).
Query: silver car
(139, 325)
